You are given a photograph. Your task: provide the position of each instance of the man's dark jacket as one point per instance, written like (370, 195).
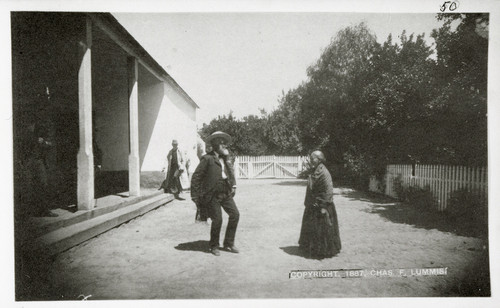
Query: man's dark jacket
(208, 174)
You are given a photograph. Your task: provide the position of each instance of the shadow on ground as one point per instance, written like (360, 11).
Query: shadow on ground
(292, 183)
(367, 196)
(201, 246)
(399, 212)
(295, 251)
(32, 281)
(475, 278)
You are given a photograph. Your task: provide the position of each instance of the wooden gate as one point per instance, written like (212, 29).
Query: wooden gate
(261, 167)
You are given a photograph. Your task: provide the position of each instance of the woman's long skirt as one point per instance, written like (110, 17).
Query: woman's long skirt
(319, 236)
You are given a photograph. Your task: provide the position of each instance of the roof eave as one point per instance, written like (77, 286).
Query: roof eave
(108, 23)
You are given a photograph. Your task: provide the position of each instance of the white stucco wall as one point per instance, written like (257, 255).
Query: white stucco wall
(176, 120)
(163, 115)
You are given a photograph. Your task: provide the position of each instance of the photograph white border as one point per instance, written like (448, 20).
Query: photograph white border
(391, 6)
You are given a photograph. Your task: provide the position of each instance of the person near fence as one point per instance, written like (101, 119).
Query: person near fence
(213, 187)
(319, 235)
(175, 167)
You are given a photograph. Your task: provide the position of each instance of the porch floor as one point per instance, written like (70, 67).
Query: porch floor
(29, 229)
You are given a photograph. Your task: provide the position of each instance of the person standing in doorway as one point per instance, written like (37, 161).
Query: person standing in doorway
(175, 167)
(39, 169)
(213, 186)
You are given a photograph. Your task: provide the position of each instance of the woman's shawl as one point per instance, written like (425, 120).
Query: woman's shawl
(319, 188)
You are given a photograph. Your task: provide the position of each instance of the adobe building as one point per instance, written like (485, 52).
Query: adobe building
(109, 109)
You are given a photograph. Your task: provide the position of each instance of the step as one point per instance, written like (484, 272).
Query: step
(48, 225)
(66, 237)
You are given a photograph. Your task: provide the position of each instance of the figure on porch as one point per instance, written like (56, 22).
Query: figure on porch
(319, 236)
(38, 167)
(175, 167)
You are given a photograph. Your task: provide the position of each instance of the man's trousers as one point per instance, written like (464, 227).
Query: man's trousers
(227, 203)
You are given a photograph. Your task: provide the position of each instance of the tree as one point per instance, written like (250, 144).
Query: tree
(224, 123)
(461, 106)
(394, 107)
(281, 131)
(247, 133)
(328, 105)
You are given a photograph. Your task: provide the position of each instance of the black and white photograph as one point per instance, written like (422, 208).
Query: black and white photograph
(215, 151)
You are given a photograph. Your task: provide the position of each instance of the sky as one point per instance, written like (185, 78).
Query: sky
(241, 62)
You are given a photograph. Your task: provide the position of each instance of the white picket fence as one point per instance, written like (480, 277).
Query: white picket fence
(258, 167)
(442, 180)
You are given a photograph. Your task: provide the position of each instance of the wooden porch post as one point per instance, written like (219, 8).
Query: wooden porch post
(133, 158)
(85, 157)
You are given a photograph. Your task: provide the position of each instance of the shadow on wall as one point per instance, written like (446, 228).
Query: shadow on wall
(151, 94)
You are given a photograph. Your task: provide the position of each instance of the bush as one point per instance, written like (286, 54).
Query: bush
(356, 171)
(398, 187)
(418, 197)
(421, 198)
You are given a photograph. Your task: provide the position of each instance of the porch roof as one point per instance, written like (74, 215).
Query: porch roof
(110, 25)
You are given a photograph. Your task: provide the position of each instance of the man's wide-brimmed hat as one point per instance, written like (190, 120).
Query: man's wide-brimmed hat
(219, 135)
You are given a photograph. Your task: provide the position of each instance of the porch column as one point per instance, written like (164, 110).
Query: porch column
(85, 157)
(133, 158)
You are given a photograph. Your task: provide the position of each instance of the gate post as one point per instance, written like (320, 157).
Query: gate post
(274, 166)
(299, 165)
(250, 170)
(237, 167)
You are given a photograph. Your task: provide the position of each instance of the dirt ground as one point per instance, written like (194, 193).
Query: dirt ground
(163, 254)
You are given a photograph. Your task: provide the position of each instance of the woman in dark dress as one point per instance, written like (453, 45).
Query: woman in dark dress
(319, 236)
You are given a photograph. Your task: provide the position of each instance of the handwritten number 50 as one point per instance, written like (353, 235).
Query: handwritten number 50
(450, 5)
